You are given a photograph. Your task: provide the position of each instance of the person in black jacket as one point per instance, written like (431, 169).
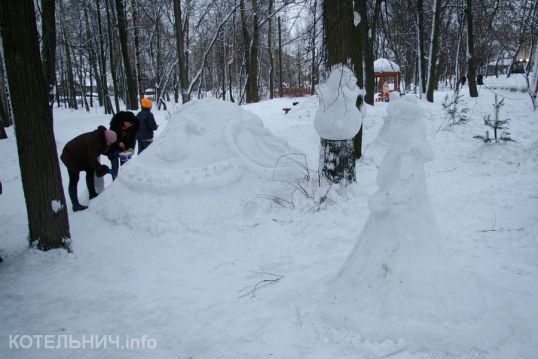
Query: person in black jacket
(125, 124)
(147, 125)
(82, 154)
(479, 79)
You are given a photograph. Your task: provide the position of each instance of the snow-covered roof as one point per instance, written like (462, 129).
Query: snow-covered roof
(385, 65)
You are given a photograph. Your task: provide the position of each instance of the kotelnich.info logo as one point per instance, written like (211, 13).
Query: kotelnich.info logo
(82, 342)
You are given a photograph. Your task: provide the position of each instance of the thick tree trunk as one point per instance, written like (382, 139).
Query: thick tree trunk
(471, 57)
(40, 171)
(434, 49)
(132, 100)
(337, 157)
(358, 55)
(253, 76)
(251, 52)
(48, 29)
(337, 160)
(367, 31)
(182, 64)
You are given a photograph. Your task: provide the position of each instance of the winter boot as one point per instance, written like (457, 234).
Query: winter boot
(74, 200)
(90, 183)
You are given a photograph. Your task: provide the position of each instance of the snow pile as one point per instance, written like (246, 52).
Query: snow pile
(209, 144)
(385, 65)
(337, 117)
(397, 282)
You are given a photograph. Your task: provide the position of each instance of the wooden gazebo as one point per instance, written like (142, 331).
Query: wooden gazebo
(384, 68)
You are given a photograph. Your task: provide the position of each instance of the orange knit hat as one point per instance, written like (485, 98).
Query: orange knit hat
(146, 103)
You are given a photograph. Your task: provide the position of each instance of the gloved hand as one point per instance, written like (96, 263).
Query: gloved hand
(102, 170)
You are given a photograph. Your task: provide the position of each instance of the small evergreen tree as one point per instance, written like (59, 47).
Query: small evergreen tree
(451, 105)
(497, 125)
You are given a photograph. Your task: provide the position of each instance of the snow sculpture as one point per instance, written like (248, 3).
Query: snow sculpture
(208, 144)
(337, 121)
(397, 282)
(338, 117)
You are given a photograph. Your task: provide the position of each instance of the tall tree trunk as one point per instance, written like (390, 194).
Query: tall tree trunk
(471, 57)
(314, 65)
(102, 62)
(82, 81)
(280, 82)
(230, 67)
(158, 70)
(40, 170)
(180, 42)
(270, 52)
(253, 77)
(251, 52)
(48, 29)
(224, 66)
(6, 119)
(132, 101)
(434, 49)
(368, 35)
(137, 49)
(72, 95)
(358, 55)
(337, 157)
(108, 6)
(421, 46)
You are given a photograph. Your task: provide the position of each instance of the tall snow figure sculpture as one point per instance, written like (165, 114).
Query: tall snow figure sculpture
(397, 282)
(337, 121)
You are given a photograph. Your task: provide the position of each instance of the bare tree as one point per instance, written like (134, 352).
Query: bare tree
(471, 61)
(48, 55)
(180, 43)
(434, 49)
(132, 100)
(40, 171)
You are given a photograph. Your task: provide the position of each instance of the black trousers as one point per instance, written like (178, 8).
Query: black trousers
(73, 181)
(143, 144)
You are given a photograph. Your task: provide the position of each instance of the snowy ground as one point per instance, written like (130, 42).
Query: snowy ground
(181, 266)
